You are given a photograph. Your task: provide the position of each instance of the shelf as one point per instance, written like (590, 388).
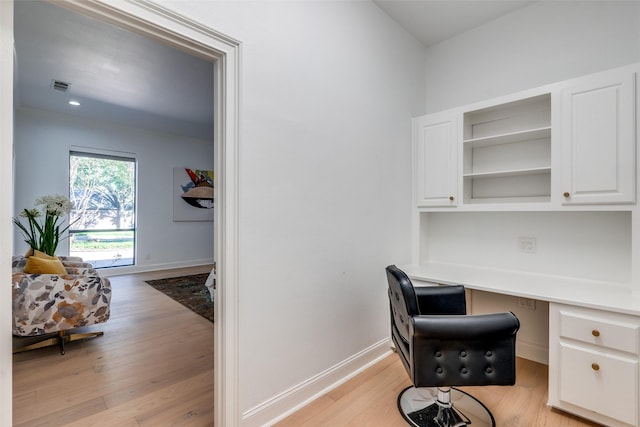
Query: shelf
(507, 152)
(508, 173)
(514, 200)
(507, 138)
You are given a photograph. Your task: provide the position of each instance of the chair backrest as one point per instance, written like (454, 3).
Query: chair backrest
(441, 346)
(402, 297)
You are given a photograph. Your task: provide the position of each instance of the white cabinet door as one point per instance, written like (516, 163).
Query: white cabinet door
(436, 160)
(601, 382)
(598, 139)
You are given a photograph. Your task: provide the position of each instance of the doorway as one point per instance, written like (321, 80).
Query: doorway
(176, 31)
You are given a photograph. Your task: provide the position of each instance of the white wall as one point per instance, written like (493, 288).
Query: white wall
(42, 144)
(590, 245)
(328, 91)
(546, 42)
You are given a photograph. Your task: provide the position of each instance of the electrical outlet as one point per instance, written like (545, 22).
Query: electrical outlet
(527, 245)
(527, 303)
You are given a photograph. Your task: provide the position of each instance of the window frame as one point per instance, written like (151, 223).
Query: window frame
(90, 152)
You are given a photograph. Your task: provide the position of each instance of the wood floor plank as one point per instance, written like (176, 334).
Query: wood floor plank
(193, 409)
(196, 413)
(65, 415)
(158, 406)
(140, 388)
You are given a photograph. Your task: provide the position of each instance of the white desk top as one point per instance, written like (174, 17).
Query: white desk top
(611, 296)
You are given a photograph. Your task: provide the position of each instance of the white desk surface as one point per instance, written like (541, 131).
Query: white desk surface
(609, 296)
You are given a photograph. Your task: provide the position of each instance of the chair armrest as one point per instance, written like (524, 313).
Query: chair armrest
(464, 350)
(436, 300)
(78, 267)
(472, 327)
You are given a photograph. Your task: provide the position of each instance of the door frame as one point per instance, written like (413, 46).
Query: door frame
(177, 31)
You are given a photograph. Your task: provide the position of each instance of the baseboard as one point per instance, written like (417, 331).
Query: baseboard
(291, 400)
(130, 269)
(532, 351)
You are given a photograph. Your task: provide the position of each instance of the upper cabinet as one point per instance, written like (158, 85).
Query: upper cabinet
(597, 138)
(507, 152)
(435, 160)
(562, 146)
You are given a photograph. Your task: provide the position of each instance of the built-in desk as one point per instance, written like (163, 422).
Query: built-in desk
(610, 296)
(594, 335)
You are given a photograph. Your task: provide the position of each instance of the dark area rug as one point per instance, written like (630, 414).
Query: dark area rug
(188, 291)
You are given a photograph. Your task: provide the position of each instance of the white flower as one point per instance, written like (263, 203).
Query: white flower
(55, 204)
(44, 236)
(30, 213)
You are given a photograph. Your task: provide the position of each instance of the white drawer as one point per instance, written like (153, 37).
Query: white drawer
(600, 382)
(615, 334)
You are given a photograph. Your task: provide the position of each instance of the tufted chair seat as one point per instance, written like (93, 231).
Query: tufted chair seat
(440, 347)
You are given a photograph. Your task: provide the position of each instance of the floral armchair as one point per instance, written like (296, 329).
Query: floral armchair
(45, 304)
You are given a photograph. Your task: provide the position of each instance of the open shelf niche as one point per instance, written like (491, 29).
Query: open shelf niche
(507, 152)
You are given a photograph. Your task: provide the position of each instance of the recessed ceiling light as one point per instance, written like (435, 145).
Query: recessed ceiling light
(74, 103)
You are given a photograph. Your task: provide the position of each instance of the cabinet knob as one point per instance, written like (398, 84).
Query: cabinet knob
(595, 333)
(595, 366)
(451, 198)
(566, 194)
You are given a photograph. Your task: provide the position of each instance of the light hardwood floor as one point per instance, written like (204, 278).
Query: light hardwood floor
(152, 367)
(370, 399)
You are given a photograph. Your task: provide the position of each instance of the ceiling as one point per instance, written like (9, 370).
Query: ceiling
(121, 77)
(433, 21)
(117, 76)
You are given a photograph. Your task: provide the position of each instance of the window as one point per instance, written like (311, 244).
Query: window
(103, 220)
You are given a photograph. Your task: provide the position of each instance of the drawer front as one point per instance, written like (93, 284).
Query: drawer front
(599, 331)
(599, 382)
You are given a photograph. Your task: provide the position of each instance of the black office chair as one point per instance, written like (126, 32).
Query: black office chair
(441, 347)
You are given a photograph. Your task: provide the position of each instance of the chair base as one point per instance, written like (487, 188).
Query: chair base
(421, 407)
(60, 340)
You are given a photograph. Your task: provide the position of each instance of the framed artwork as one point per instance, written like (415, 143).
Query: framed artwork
(193, 197)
